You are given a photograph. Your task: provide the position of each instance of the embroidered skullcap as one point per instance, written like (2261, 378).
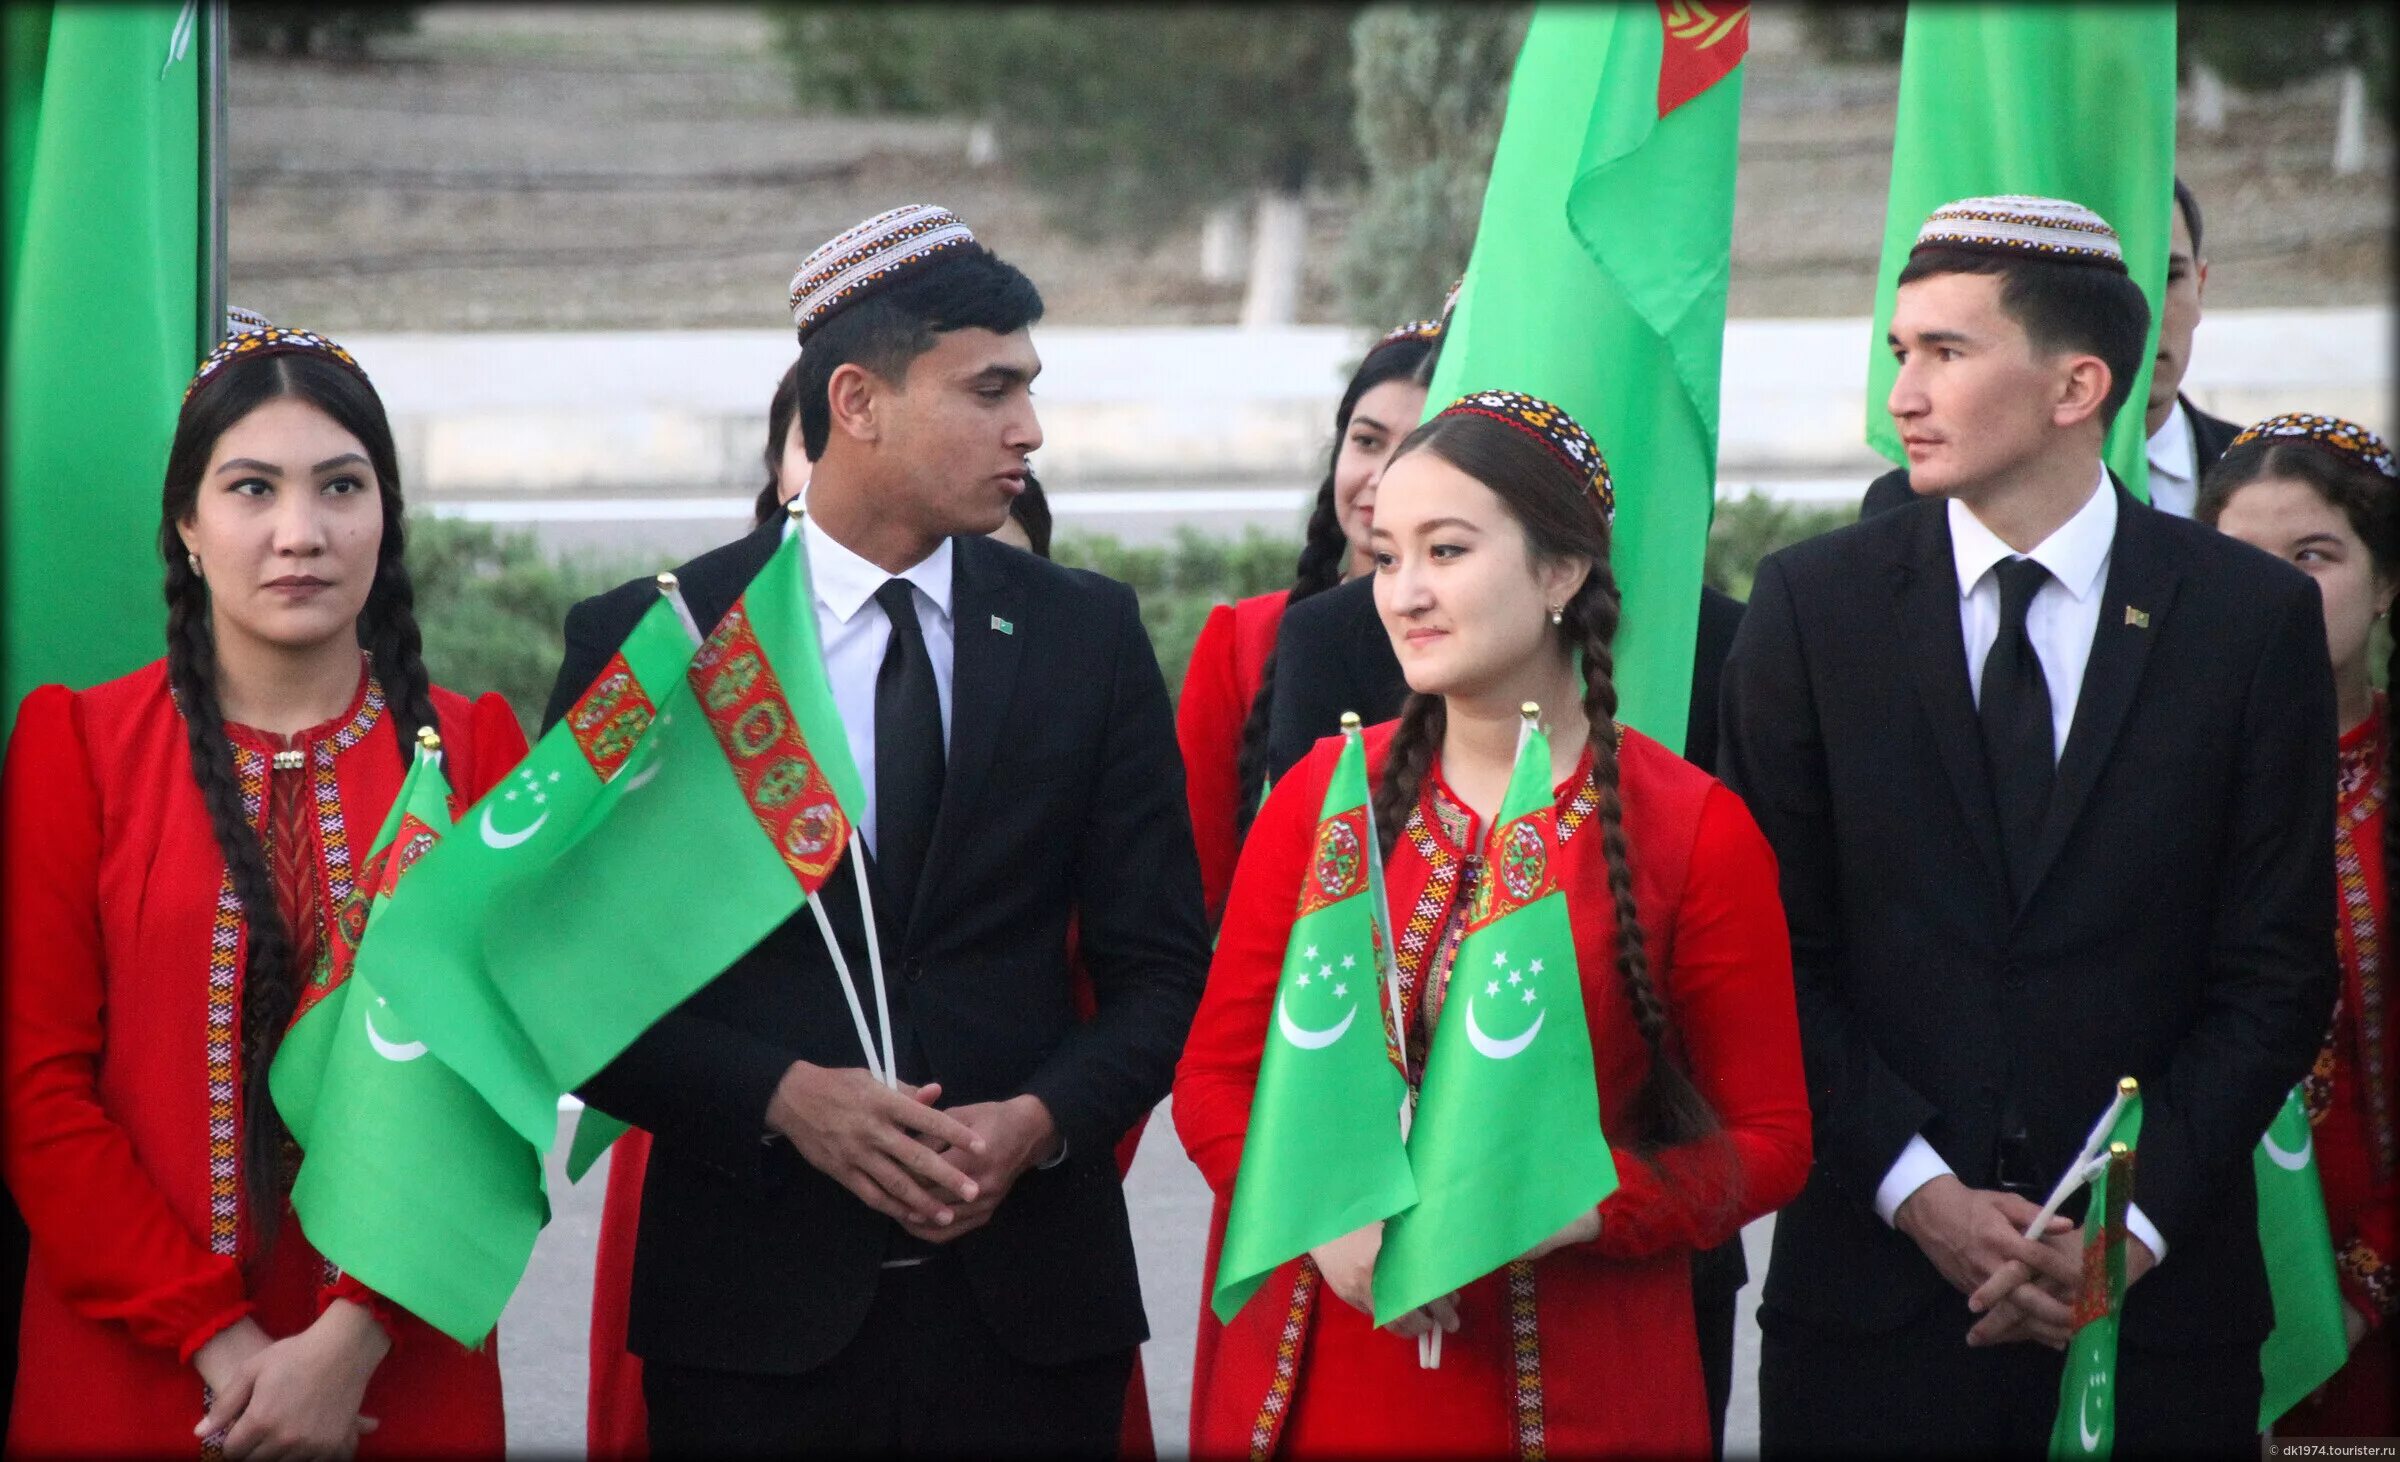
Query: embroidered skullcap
(1413, 330)
(2018, 223)
(1556, 432)
(2344, 438)
(871, 256)
(271, 340)
(239, 320)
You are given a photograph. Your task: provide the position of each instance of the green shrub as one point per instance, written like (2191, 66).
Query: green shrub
(492, 606)
(1747, 529)
(1180, 582)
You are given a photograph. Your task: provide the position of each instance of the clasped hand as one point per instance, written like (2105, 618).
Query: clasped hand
(294, 1397)
(1348, 1267)
(939, 1173)
(2024, 1289)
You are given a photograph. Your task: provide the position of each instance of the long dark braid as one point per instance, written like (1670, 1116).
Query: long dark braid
(387, 630)
(1324, 555)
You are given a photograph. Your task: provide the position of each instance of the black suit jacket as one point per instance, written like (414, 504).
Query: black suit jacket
(2211, 435)
(1332, 655)
(1064, 793)
(2180, 931)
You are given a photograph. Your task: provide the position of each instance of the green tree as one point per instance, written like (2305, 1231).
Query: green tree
(2267, 48)
(1438, 77)
(1132, 120)
(1749, 528)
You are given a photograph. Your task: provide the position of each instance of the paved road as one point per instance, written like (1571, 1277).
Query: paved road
(542, 1352)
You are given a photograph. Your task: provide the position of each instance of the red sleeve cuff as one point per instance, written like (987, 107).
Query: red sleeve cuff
(347, 1287)
(209, 1329)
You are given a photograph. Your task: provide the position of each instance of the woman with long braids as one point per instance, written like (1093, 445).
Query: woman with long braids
(1491, 542)
(181, 846)
(1220, 717)
(2321, 493)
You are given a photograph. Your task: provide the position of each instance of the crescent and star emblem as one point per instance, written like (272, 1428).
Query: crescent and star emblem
(494, 838)
(1312, 1040)
(2284, 1157)
(2085, 1427)
(391, 1050)
(1498, 1050)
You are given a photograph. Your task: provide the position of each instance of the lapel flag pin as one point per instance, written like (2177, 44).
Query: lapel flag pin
(1006, 628)
(2138, 618)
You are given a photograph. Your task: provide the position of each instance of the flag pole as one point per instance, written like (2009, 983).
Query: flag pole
(2080, 1171)
(1389, 953)
(883, 1009)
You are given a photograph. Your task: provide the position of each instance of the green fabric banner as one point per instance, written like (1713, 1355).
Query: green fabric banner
(2086, 1425)
(104, 325)
(2308, 1343)
(1506, 1147)
(1323, 1155)
(2065, 101)
(408, 1180)
(1598, 283)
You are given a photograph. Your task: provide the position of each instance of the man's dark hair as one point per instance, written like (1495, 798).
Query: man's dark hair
(970, 289)
(2191, 213)
(2061, 306)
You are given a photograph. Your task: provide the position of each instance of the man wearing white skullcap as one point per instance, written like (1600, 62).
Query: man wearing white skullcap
(2048, 774)
(940, 1264)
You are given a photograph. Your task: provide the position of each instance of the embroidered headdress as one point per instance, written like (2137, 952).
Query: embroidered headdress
(860, 260)
(1413, 330)
(239, 320)
(270, 340)
(2344, 438)
(2017, 223)
(1554, 430)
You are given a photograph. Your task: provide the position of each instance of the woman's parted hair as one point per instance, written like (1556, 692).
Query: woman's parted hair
(1562, 521)
(387, 630)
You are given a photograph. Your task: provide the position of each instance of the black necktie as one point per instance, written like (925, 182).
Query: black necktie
(2014, 706)
(908, 751)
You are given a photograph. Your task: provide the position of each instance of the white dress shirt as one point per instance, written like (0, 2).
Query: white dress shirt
(2062, 621)
(855, 632)
(2174, 464)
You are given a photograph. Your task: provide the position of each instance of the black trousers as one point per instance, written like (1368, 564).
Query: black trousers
(1717, 1278)
(1921, 1391)
(925, 1376)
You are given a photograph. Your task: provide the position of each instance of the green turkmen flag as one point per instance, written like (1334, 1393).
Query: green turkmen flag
(1323, 1156)
(105, 317)
(408, 1180)
(1598, 283)
(540, 948)
(2087, 1388)
(1506, 1145)
(2308, 1343)
(2065, 101)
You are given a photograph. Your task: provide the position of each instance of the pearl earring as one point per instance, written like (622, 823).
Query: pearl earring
(194, 560)
(1558, 614)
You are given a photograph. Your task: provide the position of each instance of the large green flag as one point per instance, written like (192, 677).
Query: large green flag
(2308, 1343)
(2087, 1388)
(2065, 101)
(104, 320)
(611, 877)
(1506, 1146)
(1598, 283)
(408, 1180)
(1324, 1154)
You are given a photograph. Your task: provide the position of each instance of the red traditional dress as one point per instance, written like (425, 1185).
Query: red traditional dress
(2350, 1104)
(1228, 664)
(1591, 1348)
(617, 1417)
(122, 1060)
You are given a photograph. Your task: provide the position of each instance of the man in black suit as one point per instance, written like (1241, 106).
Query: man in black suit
(1332, 655)
(2049, 777)
(2184, 440)
(825, 1263)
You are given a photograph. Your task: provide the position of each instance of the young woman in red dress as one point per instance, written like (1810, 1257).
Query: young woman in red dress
(180, 847)
(1220, 717)
(1491, 537)
(2321, 493)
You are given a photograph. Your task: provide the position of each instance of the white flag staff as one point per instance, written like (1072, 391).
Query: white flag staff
(2089, 1161)
(889, 1074)
(673, 591)
(1379, 906)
